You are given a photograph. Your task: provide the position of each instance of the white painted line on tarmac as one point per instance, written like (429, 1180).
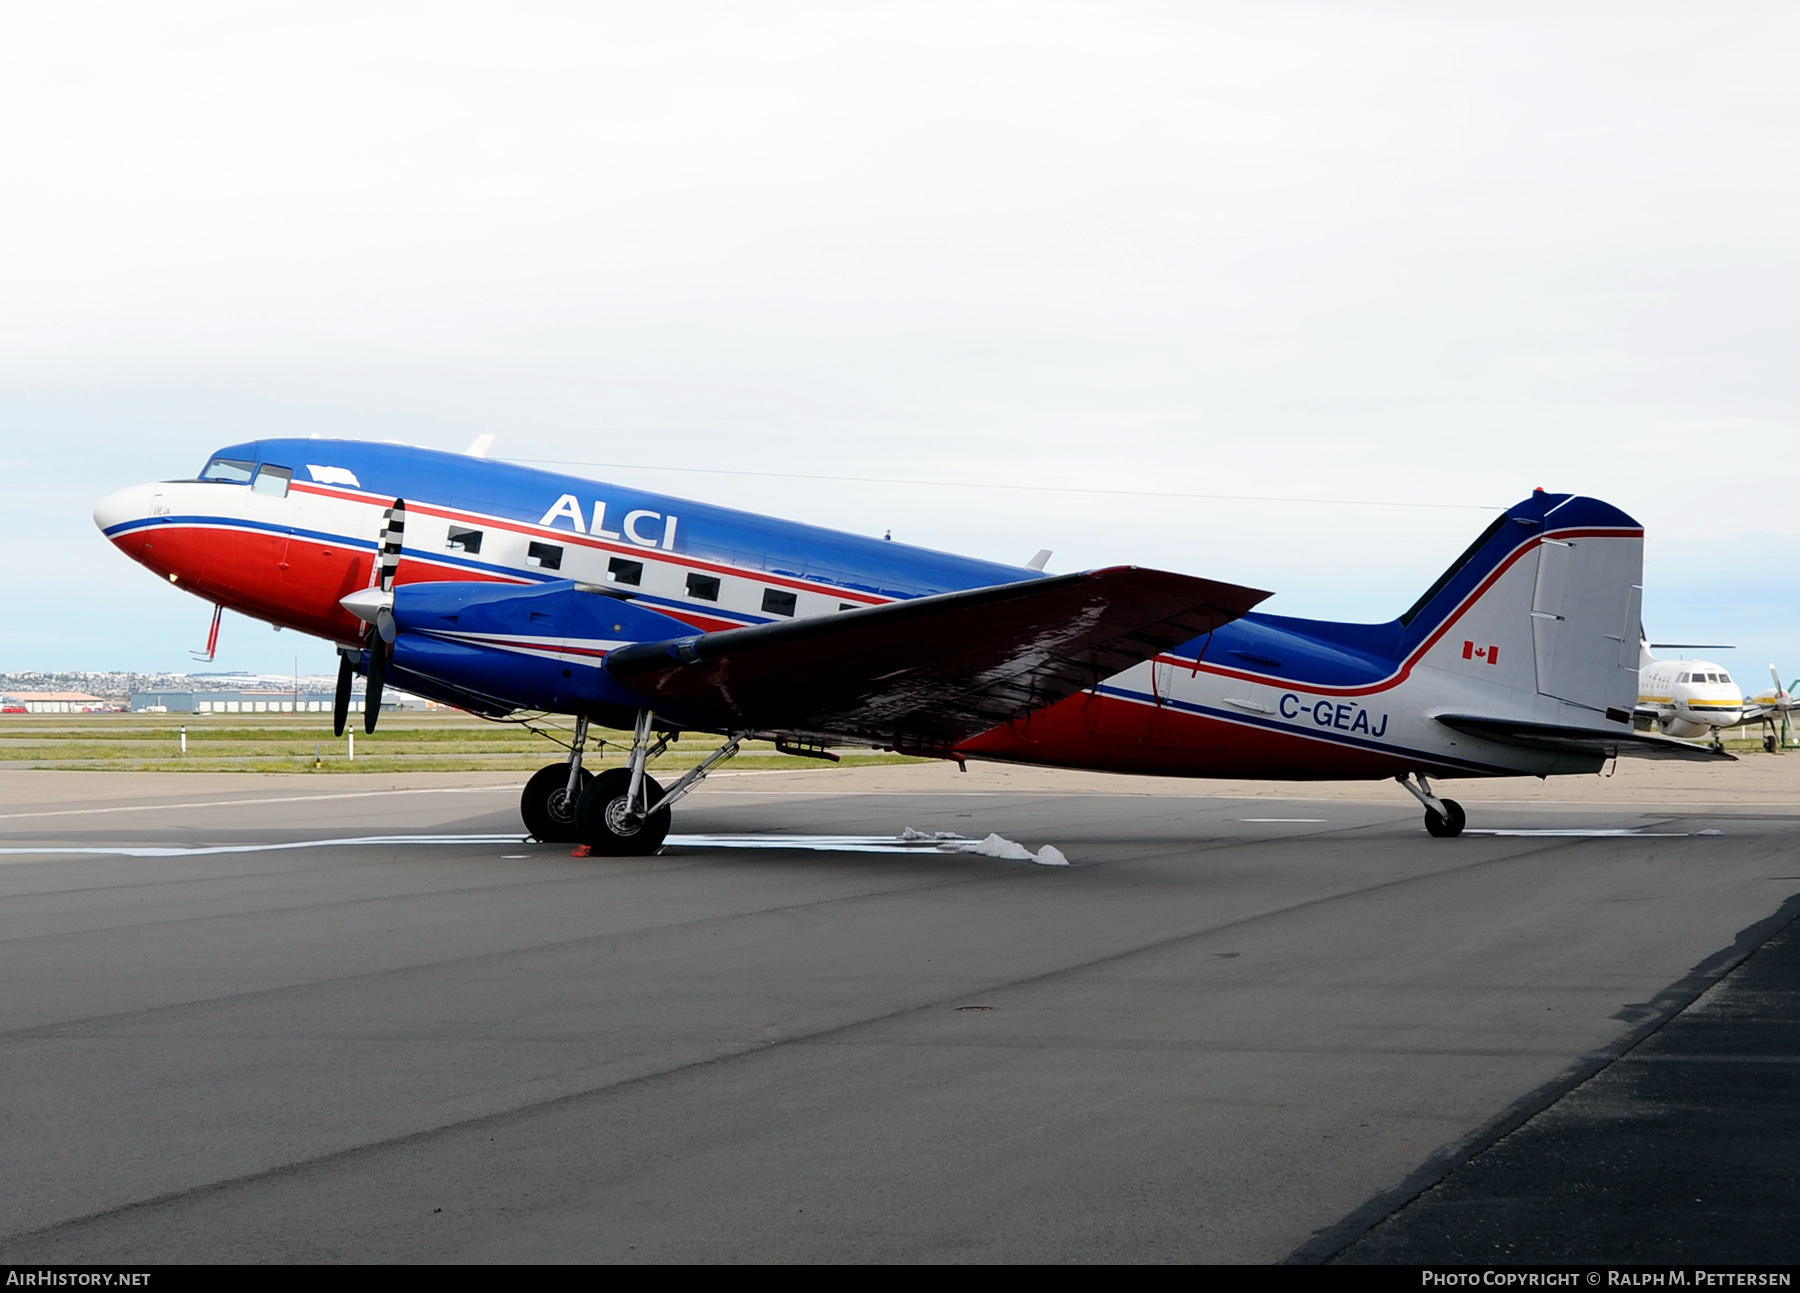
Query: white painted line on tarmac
(1623, 833)
(993, 846)
(203, 850)
(1283, 819)
(816, 843)
(824, 843)
(282, 799)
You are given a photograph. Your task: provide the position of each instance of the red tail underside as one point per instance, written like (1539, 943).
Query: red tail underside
(1104, 733)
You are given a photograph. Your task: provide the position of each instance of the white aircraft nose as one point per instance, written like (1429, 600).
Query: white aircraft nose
(123, 507)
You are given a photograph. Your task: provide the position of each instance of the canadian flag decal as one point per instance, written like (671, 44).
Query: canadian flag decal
(1489, 653)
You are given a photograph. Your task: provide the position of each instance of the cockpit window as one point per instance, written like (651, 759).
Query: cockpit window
(229, 470)
(272, 480)
(1724, 677)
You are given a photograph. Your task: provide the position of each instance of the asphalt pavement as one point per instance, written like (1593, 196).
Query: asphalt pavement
(315, 1019)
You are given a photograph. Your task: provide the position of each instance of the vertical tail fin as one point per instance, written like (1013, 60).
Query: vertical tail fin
(1544, 606)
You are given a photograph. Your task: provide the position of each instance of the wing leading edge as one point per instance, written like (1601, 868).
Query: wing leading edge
(933, 671)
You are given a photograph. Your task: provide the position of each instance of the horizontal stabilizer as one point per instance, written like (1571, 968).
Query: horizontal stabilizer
(932, 671)
(1558, 738)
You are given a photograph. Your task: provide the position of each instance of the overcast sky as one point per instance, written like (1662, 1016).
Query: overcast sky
(1413, 258)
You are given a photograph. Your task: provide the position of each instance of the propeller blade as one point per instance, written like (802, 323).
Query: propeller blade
(377, 680)
(340, 707)
(393, 535)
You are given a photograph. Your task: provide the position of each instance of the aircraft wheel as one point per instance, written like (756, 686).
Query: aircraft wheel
(1768, 745)
(548, 812)
(1446, 828)
(601, 823)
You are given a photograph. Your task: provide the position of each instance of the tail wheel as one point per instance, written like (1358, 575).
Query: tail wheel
(1446, 827)
(548, 811)
(604, 825)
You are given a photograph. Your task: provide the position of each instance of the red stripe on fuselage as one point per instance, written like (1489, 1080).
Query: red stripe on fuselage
(291, 580)
(1107, 734)
(296, 581)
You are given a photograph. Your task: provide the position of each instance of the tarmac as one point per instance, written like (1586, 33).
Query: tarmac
(334, 1018)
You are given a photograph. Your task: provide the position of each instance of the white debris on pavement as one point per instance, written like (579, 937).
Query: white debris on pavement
(994, 846)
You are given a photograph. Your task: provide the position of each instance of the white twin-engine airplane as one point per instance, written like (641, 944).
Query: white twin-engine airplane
(1694, 698)
(499, 588)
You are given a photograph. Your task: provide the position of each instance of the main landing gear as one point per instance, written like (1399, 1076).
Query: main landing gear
(622, 812)
(1444, 818)
(548, 804)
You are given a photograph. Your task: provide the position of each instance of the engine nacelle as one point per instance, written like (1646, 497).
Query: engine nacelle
(542, 647)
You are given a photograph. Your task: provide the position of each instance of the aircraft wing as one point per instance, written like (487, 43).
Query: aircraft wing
(1559, 738)
(927, 673)
(1757, 708)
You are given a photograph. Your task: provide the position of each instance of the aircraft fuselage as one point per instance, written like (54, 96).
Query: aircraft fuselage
(286, 529)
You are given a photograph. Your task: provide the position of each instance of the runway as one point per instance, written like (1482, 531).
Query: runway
(315, 1019)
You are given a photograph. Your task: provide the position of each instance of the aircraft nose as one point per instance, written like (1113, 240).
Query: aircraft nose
(123, 507)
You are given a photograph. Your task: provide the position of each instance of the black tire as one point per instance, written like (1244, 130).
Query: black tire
(1446, 828)
(598, 823)
(1768, 745)
(548, 814)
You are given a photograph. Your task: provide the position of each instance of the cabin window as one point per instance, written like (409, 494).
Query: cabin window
(546, 555)
(776, 602)
(463, 540)
(273, 480)
(621, 571)
(703, 587)
(229, 470)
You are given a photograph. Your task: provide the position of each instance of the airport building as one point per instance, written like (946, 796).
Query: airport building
(54, 702)
(260, 700)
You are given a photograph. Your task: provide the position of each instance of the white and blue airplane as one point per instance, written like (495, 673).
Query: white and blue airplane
(499, 588)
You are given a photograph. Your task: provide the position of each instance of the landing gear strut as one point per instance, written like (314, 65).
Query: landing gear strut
(548, 804)
(624, 812)
(1444, 818)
